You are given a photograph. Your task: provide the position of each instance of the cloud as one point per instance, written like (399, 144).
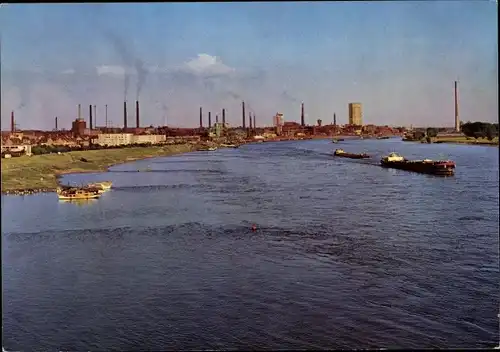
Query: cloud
(206, 64)
(69, 71)
(112, 70)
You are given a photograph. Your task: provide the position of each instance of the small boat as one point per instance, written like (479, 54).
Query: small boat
(341, 153)
(78, 194)
(383, 137)
(230, 146)
(426, 166)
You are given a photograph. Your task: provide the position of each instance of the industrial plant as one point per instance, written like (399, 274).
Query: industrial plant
(87, 132)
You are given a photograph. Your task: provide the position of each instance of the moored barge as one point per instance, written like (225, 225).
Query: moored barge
(426, 166)
(343, 154)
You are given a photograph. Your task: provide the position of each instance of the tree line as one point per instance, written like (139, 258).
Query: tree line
(469, 129)
(480, 129)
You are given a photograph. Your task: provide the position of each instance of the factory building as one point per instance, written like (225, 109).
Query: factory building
(78, 127)
(114, 139)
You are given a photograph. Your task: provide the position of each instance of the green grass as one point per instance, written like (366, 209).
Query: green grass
(41, 171)
(466, 140)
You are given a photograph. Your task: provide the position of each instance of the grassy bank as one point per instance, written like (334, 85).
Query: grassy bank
(459, 140)
(41, 171)
(466, 140)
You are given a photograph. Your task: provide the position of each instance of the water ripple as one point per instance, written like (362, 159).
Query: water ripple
(346, 254)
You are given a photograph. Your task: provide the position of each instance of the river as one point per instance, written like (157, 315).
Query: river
(346, 254)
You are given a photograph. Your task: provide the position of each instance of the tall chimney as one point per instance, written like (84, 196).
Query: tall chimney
(457, 120)
(124, 114)
(79, 111)
(95, 115)
(56, 123)
(201, 117)
(302, 122)
(137, 122)
(224, 117)
(12, 122)
(254, 122)
(209, 119)
(90, 116)
(216, 118)
(243, 113)
(250, 120)
(106, 115)
(334, 119)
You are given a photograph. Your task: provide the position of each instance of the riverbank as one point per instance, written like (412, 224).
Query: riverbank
(466, 140)
(460, 140)
(40, 173)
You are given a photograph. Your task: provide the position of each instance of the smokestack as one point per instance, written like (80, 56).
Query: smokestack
(124, 114)
(250, 120)
(254, 121)
(302, 122)
(224, 117)
(95, 115)
(334, 119)
(12, 122)
(209, 119)
(216, 118)
(137, 122)
(457, 119)
(56, 123)
(79, 111)
(106, 115)
(243, 113)
(90, 116)
(201, 117)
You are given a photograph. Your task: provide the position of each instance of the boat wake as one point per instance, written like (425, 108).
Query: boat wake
(155, 188)
(209, 171)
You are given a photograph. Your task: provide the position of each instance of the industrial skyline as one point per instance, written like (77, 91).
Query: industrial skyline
(400, 72)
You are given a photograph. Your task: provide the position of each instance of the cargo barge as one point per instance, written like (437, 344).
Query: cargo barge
(341, 153)
(439, 167)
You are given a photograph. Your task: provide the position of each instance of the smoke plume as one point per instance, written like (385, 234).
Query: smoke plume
(289, 97)
(125, 55)
(141, 76)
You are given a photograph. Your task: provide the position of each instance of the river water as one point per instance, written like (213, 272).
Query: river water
(346, 255)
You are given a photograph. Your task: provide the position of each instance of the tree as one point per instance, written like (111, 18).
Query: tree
(418, 135)
(432, 132)
(319, 122)
(490, 132)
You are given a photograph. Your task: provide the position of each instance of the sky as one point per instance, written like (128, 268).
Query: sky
(398, 58)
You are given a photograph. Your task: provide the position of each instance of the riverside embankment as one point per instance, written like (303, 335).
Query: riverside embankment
(459, 140)
(39, 173)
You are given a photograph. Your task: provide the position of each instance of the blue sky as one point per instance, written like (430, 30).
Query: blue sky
(399, 59)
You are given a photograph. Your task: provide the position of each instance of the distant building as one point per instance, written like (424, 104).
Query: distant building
(113, 139)
(78, 127)
(149, 138)
(355, 114)
(217, 129)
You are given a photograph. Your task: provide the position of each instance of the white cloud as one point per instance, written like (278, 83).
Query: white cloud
(69, 71)
(207, 64)
(112, 70)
